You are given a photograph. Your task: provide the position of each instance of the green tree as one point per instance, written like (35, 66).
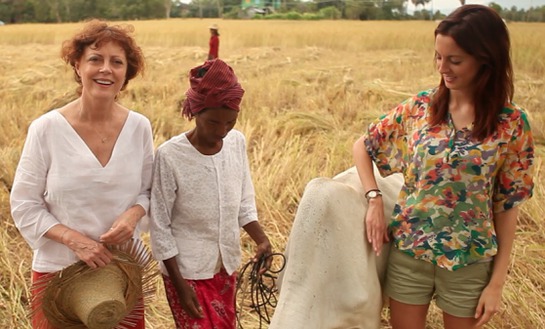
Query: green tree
(16, 11)
(497, 8)
(422, 3)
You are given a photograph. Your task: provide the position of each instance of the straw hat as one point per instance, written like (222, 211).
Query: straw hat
(213, 27)
(81, 297)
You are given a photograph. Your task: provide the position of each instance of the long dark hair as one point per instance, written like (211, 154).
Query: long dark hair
(481, 33)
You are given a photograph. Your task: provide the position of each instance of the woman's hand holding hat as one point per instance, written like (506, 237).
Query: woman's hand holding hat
(122, 229)
(93, 253)
(82, 297)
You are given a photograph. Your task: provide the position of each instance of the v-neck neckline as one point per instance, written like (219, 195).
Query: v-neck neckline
(82, 141)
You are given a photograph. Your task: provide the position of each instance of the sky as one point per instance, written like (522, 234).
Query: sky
(446, 6)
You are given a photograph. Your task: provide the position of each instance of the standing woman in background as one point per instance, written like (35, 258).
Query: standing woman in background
(465, 151)
(213, 52)
(84, 177)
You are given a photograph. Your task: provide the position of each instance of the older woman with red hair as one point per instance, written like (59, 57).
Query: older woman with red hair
(83, 181)
(202, 194)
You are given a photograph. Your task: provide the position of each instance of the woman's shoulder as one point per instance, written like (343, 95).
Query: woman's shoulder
(424, 96)
(46, 119)
(235, 141)
(235, 136)
(417, 106)
(139, 118)
(512, 112)
(174, 142)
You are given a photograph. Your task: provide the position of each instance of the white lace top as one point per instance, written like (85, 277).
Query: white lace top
(198, 205)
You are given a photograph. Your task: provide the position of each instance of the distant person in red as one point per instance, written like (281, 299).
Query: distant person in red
(214, 42)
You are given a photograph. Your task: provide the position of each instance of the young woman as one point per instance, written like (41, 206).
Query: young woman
(466, 151)
(202, 196)
(84, 177)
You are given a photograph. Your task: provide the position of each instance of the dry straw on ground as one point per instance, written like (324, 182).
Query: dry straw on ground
(311, 88)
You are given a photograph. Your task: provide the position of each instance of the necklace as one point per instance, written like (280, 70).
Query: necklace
(102, 138)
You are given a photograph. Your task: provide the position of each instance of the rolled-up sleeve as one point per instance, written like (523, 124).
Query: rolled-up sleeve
(28, 207)
(514, 183)
(163, 195)
(386, 141)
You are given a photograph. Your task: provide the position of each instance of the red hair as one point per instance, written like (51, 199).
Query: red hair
(94, 33)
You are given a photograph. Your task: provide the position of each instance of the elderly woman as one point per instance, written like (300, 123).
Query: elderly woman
(202, 195)
(83, 180)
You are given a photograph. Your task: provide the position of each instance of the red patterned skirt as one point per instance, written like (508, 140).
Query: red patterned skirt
(216, 297)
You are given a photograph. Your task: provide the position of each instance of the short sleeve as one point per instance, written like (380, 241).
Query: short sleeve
(514, 183)
(386, 140)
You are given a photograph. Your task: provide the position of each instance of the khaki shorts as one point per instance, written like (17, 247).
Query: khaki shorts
(417, 282)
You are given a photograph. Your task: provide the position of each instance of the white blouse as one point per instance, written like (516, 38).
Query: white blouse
(59, 180)
(199, 204)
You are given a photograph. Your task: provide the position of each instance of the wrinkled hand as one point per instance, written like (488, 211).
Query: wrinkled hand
(264, 249)
(188, 300)
(489, 304)
(122, 229)
(375, 225)
(93, 253)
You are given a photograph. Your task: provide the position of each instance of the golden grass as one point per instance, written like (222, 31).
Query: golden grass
(311, 88)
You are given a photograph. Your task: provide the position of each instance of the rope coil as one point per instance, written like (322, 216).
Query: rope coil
(260, 286)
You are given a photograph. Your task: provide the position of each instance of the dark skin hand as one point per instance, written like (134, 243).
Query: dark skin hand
(264, 249)
(186, 294)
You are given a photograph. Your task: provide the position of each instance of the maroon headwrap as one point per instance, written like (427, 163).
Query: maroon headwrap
(213, 84)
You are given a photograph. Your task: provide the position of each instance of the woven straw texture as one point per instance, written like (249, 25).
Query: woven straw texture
(80, 297)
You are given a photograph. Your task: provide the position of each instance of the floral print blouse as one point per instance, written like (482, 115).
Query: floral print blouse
(453, 183)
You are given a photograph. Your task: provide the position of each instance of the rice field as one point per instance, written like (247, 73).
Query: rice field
(311, 89)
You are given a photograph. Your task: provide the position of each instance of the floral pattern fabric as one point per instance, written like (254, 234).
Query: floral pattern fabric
(216, 297)
(453, 183)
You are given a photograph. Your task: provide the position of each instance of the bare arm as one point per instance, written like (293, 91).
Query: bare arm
(264, 248)
(505, 224)
(93, 253)
(374, 219)
(186, 294)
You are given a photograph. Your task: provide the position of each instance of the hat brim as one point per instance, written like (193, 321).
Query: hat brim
(132, 261)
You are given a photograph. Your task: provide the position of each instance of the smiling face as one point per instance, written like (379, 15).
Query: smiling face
(457, 68)
(102, 70)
